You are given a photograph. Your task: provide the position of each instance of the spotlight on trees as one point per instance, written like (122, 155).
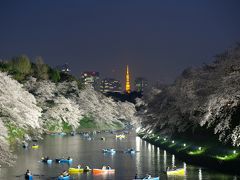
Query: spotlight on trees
(164, 139)
(200, 148)
(234, 152)
(172, 141)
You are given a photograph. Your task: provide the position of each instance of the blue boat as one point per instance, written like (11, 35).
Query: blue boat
(30, 177)
(112, 151)
(63, 177)
(149, 178)
(131, 151)
(64, 160)
(47, 160)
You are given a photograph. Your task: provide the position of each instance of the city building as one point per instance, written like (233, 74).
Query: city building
(128, 84)
(140, 84)
(91, 77)
(110, 85)
(63, 68)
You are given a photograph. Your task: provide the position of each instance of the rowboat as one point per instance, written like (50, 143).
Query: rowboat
(64, 160)
(35, 146)
(176, 172)
(75, 170)
(120, 136)
(109, 151)
(131, 151)
(152, 178)
(98, 171)
(64, 177)
(30, 177)
(48, 161)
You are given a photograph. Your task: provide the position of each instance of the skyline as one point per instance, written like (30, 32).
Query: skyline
(105, 36)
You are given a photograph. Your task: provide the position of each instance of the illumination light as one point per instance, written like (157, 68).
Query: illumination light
(234, 152)
(184, 145)
(164, 139)
(138, 129)
(172, 141)
(200, 148)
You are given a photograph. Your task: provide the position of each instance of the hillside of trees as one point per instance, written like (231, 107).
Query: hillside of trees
(36, 99)
(201, 100)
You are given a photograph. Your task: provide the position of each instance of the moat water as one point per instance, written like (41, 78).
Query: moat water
(149, 160)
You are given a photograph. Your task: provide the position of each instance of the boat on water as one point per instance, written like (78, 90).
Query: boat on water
(103, 170)
(176, 172)
(78, 170)
(112, 151)
(70, 160)
(35, 146)
(73, 133)
(30, 177)
(64, 177)
(120, 136)
(46, 160)
(149, 178)
(75, 170)
(131, 151)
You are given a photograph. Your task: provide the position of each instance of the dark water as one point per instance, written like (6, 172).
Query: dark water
(150, 159)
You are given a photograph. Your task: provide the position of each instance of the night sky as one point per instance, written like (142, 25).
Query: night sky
(157, 38)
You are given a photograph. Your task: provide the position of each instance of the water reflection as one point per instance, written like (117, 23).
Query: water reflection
(200, 174)
(138, 147)
(173, 160)
(165, 159)
(149, 159)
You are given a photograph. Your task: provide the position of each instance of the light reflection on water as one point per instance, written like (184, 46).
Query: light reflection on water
(148, 159)
(164, 159)
(200, 174)
(173, 160)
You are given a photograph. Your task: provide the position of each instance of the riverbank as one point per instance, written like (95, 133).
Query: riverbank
(217, 158)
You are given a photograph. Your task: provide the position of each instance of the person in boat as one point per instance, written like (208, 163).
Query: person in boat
(45, 159)
(148, 176)
(174, 168)
(28, 174)
(79, 166)
(104, 168)
(108, 168)
(68, 158)
(65, 173)
(136, 176)
(86, 168)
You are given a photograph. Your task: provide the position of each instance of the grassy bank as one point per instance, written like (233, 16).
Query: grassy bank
(85, 124)
(88, 124)
(205, 154)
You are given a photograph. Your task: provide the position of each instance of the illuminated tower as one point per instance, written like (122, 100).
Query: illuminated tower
(128, 86)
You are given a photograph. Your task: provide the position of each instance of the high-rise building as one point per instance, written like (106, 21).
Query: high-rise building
(91, 77)
(110, 85)
(63, 68)
(128, 85)
(140, 84)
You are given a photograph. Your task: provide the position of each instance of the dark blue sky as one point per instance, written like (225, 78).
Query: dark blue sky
(157, 38)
